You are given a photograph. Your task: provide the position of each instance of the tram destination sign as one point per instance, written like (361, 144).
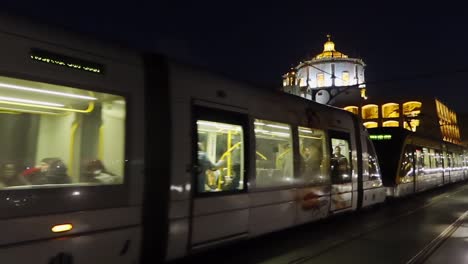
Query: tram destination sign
(380, 137)
(66, 61)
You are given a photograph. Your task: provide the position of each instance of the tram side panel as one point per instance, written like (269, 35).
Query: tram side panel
(40, 85)
(373, 190)
(245, 128)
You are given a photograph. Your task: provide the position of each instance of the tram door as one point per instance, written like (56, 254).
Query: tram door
(220, 202)
(341, 171)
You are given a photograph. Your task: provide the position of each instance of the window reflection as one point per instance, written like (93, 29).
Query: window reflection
(340, 167)
(220, 157)
(312, 147)
(274, 155)
(50, 134)
(407, 166)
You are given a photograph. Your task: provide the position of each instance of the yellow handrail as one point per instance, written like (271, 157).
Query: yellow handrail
(261, 155)
(72, 147)
(88, 110)
(230, 150)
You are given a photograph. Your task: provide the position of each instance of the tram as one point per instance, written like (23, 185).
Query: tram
(113, 156)
(411, 162)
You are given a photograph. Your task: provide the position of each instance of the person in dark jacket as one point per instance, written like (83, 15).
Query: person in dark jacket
(49, 171)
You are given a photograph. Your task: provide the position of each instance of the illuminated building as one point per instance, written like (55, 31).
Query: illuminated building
(327, 78)
(428, 116)
(333, 78)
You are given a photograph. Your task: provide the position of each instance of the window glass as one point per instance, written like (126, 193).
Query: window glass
(426, 158)
(439, 159)
(419, 156)
(432, 158)
(340, 165)
(374, 169)
(56, 136)
(407, 165)
(320, 80)
(274, 155)
(345, 78)
(352, 109)
(220, 157)
(370, 111)
(312, 147)
(390, 110)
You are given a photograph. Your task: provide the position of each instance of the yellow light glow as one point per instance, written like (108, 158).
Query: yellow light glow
(61, 228)
(20, 100)
(390, 110)
(370, 124)
(370, 111)
(412, 108)
(29, 89)
(345, 77)
(391, 123)
(352, 109)
(88, 110)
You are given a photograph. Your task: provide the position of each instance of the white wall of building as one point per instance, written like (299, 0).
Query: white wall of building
(354, 69)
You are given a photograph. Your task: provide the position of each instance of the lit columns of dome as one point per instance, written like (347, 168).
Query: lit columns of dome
(330, 68)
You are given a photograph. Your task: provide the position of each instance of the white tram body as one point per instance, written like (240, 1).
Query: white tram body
(416, 163)
(67, 99)
(207, 109)
(111, 156)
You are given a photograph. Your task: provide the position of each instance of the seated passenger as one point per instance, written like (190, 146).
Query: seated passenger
(205, 164)
(10, 176)
(97, 173)
(212, 180)
(48, 171)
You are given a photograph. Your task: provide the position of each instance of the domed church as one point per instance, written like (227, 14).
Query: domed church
(326, 77)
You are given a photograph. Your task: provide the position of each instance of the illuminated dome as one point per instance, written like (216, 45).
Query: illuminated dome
(329, 51)
(319, 78)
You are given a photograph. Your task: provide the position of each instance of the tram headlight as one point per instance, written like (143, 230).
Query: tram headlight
(61, 228)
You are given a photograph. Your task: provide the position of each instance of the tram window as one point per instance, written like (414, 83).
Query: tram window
(426, 158)
(374, 169)
(432, 158)
(312, 147)
(439, 159)
(446, 159)
(220, 157)
(274, 155)
(57, 136)
(419, 156)
(340, 161)
(407, 165)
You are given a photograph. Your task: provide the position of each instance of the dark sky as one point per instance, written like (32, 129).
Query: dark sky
(416, 50)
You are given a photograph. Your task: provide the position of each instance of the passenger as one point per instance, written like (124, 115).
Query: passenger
(212, 180)
(205, 164)
(284, 161)
(95, 171)
(311, 162)
(48, 171)
(10, 175)
(339, 167)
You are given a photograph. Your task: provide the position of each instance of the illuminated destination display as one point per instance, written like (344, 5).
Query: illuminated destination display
(380, 137)
(66, 61)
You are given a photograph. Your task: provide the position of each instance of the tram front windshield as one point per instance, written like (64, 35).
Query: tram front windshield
(55, 136)
(388, 144)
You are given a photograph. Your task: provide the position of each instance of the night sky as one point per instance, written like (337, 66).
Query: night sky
(418, 50)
